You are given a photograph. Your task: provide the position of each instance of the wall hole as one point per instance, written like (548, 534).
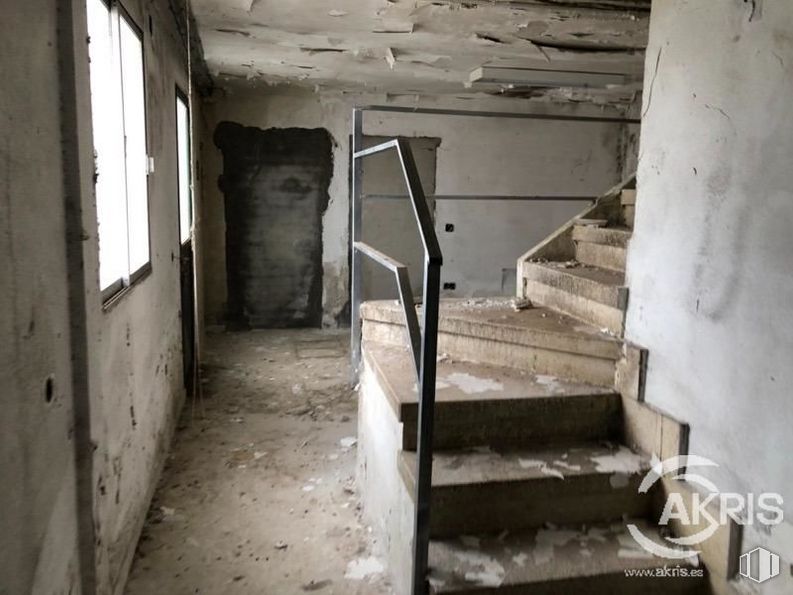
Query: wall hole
(49, 389)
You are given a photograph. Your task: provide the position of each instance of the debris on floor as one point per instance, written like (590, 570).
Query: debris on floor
(258, 494)
(519, 304)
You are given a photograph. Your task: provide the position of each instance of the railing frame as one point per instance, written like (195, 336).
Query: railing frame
(423, 341)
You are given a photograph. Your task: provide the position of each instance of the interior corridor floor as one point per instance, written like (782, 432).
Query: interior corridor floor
(258, 493)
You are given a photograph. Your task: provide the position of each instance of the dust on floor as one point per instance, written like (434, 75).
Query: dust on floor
(258, 494)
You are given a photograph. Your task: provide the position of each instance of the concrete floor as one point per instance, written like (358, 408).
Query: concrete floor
(258, 494)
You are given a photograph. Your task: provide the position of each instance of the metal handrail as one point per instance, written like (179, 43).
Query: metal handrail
(423, 341)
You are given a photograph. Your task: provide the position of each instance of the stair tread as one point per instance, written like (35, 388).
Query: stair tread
(552, 463)
(547, 555)
(459, 381)
(610, 277)
(496, 311)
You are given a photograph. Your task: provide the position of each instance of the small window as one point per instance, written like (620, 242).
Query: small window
(184, 172)
(119, 129)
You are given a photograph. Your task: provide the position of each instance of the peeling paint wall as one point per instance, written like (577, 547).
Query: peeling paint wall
(129, 356)
(709, 265)
(484, 156)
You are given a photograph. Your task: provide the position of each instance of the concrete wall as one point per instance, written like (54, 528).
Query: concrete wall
(137, 341)
(709, 263)
(115, 373)
(476, 156)
(38, 527)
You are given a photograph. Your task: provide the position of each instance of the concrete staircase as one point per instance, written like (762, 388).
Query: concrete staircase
(534, 480)
(587, 282)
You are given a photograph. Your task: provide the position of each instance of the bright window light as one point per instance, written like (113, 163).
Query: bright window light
(183, 156)
(119, 130)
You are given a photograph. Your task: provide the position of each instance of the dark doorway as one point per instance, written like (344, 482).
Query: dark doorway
(188, 315)
(275, 184)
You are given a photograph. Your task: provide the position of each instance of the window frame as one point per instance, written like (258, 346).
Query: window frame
(111, 294)
(183, 97)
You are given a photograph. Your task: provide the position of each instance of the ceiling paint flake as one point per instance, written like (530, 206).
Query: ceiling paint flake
(429, 47)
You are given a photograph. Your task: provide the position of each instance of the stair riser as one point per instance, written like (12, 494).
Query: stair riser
(568, 365)
(517, 423)
(604, 584)
(589, 311)
(494, 507)
(599, 255)
(585, 289)
(601, 235)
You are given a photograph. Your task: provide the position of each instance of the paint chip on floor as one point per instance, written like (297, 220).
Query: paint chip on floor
(363, 568)
(472, 385)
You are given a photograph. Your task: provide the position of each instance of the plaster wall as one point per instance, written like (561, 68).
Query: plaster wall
(709, 262)
(482, 156)
(136, 343)
(130, 352)
(38, 526)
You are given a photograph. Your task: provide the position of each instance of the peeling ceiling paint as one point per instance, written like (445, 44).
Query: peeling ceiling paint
(424, 47)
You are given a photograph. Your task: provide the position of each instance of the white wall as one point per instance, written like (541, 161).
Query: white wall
(483, 156)
(709, 266)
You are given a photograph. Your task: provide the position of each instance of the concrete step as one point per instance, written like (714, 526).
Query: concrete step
(490, 331)
(602, 256)
(590, 560)
(594, 295)
(602, 247)
(607, 236)
(578, 483)
(478, 404)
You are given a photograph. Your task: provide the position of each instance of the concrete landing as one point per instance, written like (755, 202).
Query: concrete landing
(490, 331)
(479, 404)
(530, 487)
(592, 559)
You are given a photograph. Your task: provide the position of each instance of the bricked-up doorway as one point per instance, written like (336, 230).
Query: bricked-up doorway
(275, 184)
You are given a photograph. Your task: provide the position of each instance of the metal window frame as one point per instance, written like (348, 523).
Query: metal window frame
(182, 96)
(111, 294)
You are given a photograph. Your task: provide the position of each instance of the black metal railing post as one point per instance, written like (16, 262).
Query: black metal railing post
(423, 341)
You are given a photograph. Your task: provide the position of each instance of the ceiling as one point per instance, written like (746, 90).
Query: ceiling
(424, 47)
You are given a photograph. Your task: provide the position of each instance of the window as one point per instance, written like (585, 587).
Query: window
(119, 126)
(183, 161)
